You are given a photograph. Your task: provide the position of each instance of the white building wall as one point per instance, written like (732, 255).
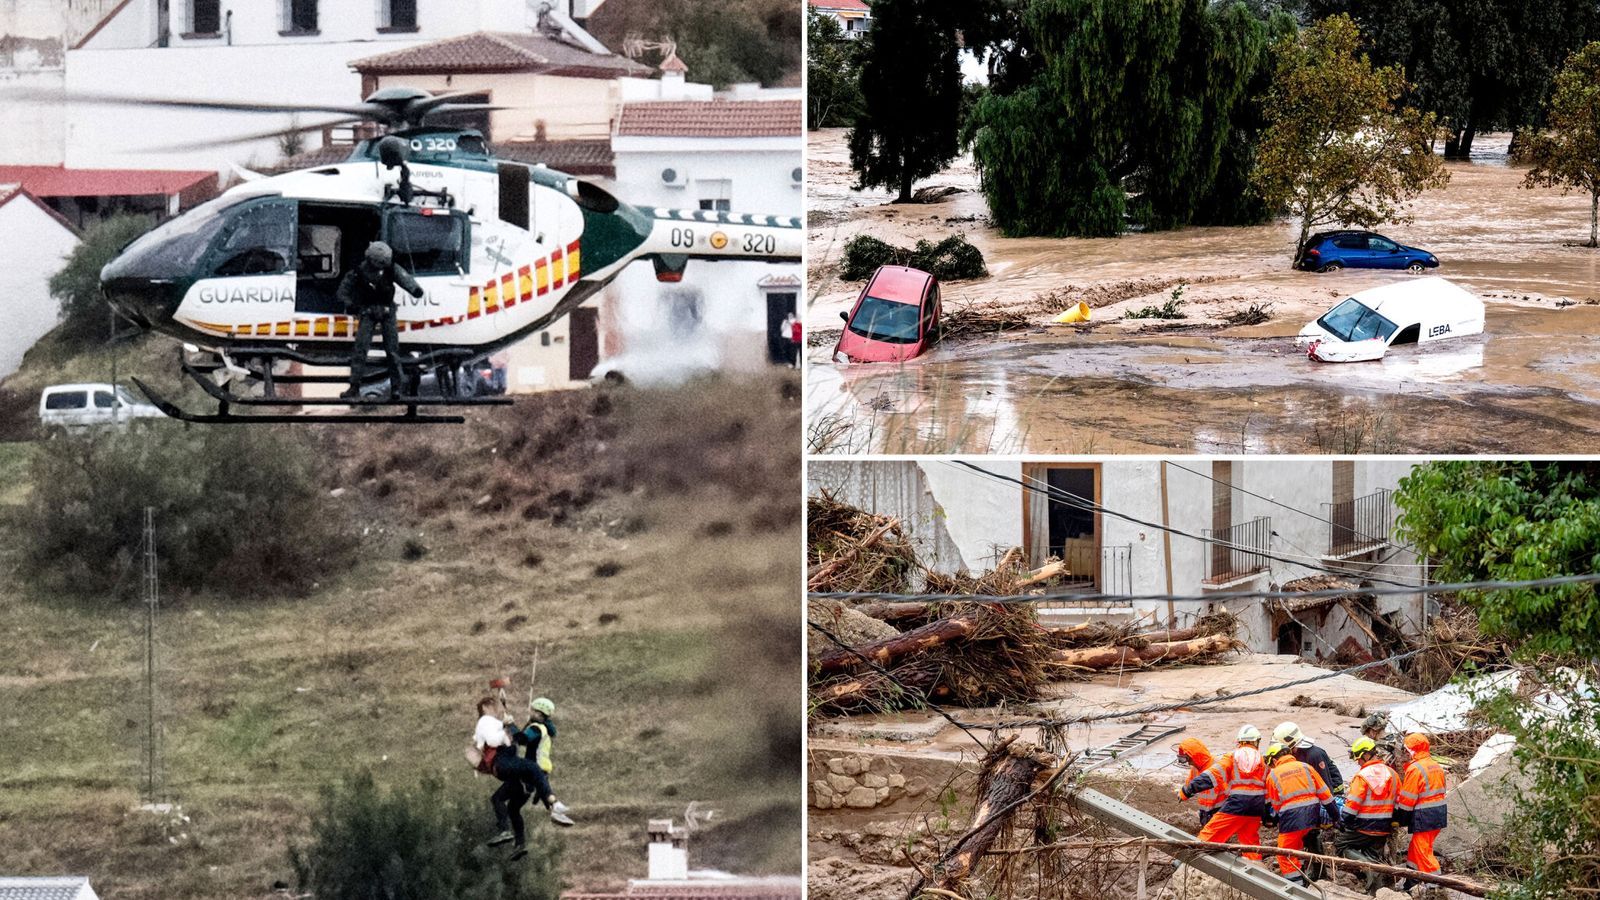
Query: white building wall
(982, 515)
(36, 132)
(338, 21)
(759, 176)
(36, 245)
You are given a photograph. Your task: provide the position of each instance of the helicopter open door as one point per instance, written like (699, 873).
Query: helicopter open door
(332, 239)
(433, 244)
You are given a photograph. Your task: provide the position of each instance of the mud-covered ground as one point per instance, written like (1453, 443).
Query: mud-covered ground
(1529, 384)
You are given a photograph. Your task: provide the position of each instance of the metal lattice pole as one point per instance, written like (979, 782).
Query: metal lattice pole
(152, 598)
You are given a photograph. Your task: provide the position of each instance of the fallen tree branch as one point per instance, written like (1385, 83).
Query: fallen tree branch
(820, 572)
(887, 650)
(1123, 657)
(1463, 885)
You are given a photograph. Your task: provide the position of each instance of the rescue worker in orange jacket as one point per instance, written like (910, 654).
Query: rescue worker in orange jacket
(1300, 802)
(1367, 817)
(1193, 753)
(1242, 777)
(1421, 806)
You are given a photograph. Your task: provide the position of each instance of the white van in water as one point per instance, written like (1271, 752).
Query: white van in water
(78, 405)
(1414, 311)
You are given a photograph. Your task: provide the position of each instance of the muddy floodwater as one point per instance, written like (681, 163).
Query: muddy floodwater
(1529, 384)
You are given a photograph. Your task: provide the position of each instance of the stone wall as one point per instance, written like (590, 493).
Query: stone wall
(861, 781)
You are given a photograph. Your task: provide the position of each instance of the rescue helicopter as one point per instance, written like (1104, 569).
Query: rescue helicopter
(502, 249)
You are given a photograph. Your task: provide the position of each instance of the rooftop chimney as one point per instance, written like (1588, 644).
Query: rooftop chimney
(669, 857)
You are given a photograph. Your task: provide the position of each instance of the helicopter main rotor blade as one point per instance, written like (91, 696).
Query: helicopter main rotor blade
(257, 136)
(447, 108)
(364, 110)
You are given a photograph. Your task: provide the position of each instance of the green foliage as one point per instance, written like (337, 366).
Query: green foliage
(952, 259)
(1478, 65)
(1567, 153)
(721, 43)
(85, 317)
(414, 843)
(1172, 309)
(911, 93)
(833, 74)
(1338, 147)
(1126, 115)
(236, 510)
(1555, 823)
(1503, 520)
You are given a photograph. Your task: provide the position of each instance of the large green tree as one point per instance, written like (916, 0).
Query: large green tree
(833, 74)
(1566, 153)
(911, 92)
(1498, 520)
(1340, 147)
(1126, 113)
(1477, 64)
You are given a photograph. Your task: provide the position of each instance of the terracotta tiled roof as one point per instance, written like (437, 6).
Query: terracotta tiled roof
(498, 51)
(59, 181)
(839, 4)
(591, 158)
(711, 118)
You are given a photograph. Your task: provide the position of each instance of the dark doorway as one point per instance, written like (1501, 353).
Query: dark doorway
(780, 350)
(583, 342)
(1291, 639)
(331, 240)
(1072, 534)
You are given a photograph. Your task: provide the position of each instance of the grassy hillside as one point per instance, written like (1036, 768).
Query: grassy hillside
(647, 544)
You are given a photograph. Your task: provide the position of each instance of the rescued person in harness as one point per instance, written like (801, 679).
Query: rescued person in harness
(495, 753)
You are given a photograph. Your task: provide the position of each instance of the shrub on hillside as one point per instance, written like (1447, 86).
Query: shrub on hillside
(236, 510)
(952, 259)
(85, 317)
(416, 844)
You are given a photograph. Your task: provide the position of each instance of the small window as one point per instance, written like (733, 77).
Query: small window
(716, 205)
(67, 400)
(299, 16)
(428, 242)
(399, 15)
(104, 400)
(259, 240)
(205, 16)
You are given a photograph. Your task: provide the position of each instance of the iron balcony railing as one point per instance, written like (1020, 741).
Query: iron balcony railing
(1359, 526)
(1238, 550)
(1115, 577)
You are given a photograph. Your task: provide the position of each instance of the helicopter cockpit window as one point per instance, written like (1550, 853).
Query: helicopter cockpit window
(173, 248)
(428, 242)
(258, 240)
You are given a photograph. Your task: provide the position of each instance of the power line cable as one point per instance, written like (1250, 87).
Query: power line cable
(1375, 591)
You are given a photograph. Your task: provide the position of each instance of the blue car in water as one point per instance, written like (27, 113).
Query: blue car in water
(1334, 250)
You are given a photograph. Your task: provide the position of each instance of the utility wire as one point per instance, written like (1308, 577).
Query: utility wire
(1376, 591)
(1077, 502)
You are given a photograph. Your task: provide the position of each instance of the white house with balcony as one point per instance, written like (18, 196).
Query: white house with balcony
(854, 16)
(1175, 527)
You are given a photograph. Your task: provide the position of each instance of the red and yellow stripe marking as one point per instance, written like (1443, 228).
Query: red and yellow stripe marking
(517, 286)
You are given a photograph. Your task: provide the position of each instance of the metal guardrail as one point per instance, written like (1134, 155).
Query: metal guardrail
(1227, 868)
(1360, 525)
(1239, 550)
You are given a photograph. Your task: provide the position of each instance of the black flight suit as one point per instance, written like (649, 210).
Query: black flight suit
(369, 293)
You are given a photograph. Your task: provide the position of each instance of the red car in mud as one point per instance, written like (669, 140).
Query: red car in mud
(895, 319)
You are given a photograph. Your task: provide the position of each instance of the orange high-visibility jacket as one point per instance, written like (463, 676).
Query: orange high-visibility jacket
(1205, 783)
(1369, 799)
(1421, 804)
(1297, 795)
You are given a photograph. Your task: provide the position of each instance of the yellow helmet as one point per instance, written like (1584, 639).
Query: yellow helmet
(1362, 747)
(1272, 753)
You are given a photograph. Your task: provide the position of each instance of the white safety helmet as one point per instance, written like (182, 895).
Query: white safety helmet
(1288, 734)
(1249, 734)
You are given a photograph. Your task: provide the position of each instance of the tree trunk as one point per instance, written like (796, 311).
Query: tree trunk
(1008, 775)
(887, 650)
(1305, 232)
(896, 612)
(1125, 657)
(1466, 140)
(905, 186)
(1594, 218)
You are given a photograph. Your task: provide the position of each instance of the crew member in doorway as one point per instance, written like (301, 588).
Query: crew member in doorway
(367, 291)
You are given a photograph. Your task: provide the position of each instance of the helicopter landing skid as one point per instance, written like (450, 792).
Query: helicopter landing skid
(224, 416)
